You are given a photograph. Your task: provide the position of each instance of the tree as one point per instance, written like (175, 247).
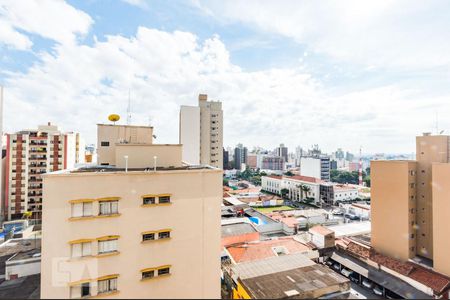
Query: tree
(306, 189)
(289, 173)
(284, 192)
(225, 182)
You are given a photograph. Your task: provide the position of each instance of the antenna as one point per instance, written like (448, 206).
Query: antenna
(129, 108)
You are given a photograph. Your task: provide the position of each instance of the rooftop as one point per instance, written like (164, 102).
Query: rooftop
(19, 245)
(287, 276)
(21, 288)
(258, 250)
(304, 178)
(237, 229)
(321, 230)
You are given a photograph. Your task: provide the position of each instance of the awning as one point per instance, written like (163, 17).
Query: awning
(381, 278)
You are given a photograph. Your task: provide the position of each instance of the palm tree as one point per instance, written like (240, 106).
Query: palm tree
(305, 189)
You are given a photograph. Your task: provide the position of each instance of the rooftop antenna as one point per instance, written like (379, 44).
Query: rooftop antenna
(129, 108)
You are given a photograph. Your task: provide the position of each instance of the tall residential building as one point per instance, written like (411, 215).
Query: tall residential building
(2, 183)
(226, 159)
(201, 132)
(240, 156)
(143, 226)
(31, 153)
(317, 167)
(410, 203)
(282, 151)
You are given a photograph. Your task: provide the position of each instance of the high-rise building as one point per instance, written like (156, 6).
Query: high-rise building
(409, 203)
(2, 183)
(282, 151)
(201, 132)
(240, 156)
(143, 226)
(317, 167)
(31, 153)
(226, 159)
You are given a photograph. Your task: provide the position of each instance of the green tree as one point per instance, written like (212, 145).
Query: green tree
(289, 173)
(284, 193)
(225, 182)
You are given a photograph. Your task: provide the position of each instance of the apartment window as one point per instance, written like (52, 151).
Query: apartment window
(148, 274)
(149, 200)
(104, 144)
(413, 185)
(109, 207)
(83, 209)
(107, 246)
(412, 235)
(164, 235)
(80, 291)
(164, 199)
(107, 286)
(163, 271)
(148, 237)
(413, 249)
(81, 249)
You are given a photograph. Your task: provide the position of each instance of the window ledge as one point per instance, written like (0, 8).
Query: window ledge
(100, 255)
(156, 240)
(156, 277)
(93, 217)
(156, 204)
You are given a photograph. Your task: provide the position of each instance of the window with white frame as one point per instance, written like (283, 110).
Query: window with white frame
(82, 209)
(107, 285)
(107, 246)
(81, 249)
(108, 207)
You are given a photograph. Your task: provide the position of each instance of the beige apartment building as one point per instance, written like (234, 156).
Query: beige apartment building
(201, 132)
(409, 203)
(143, 225)
(29, 154)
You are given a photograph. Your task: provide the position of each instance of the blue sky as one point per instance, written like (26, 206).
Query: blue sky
(338, 74)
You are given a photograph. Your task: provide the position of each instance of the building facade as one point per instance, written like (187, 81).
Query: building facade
(240, 156)
(133, 229)
(317, 167)
(409, 203)
(201, 132)
(31, 153)
(282, 151)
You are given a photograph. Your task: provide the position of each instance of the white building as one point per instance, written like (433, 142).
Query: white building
(317, 167)
(201, 133)
(344, 192)
(272, 184)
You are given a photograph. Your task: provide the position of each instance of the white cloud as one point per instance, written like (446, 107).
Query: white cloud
(139, 3)
(403, 34)
(78, 86)
(52, 19)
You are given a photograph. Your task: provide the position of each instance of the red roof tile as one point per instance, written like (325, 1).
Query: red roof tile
(275, 176)
(391, 263)
(305, 178)
(358, 250)
(437, 282)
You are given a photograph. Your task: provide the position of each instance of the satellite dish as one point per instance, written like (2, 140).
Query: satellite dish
(114, 118)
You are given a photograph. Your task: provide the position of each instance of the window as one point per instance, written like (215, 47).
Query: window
(81, 249)
(108, 285)
(164, 199)
(79, 291)
(164, 235)
(83, 209)
(109, 207)
(163, 271)
(148, 274)
(105, 144)
(149, 200)
(148, 237)
(107, 246)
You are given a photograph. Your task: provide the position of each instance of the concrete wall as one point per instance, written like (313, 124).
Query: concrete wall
(23, 268)
(119, 134)
(393, 208)
(141, 156)
(190, 133)
(441, 217)
(193, 250)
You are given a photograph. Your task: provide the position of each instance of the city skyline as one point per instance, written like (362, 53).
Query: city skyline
(295, 80)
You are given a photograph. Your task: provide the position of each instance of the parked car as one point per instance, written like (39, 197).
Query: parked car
(346, 272)
(351, 217)
(354, 278)
(378, 291)
(329, 263)
(367, 283)
(336, 267)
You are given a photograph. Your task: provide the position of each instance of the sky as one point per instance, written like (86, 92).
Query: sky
(341, 74)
